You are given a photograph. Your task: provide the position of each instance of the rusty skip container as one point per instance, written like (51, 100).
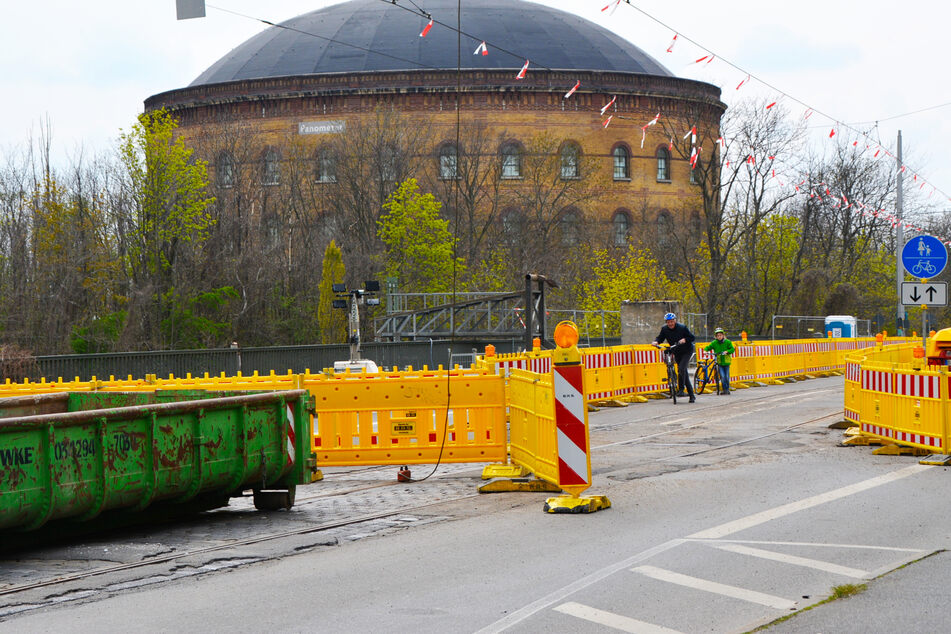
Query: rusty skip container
(76, 455)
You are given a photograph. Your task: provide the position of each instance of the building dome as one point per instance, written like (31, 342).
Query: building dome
(369, 36)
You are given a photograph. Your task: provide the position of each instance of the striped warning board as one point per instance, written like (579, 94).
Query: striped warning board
(571, 421)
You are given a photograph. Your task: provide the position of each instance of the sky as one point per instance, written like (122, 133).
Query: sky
(84, 68)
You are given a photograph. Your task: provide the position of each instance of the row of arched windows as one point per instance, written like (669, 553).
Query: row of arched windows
(569, 225)
(510, 157)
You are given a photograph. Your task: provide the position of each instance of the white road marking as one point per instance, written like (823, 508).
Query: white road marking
(714, 533)
(559, 595)
(812, 544)
(717, 588)
(612, 620)
(805, 562)
(794, 507)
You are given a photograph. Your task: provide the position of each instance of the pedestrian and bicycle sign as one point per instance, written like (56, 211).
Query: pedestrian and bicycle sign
(924, 257)
(924, 294)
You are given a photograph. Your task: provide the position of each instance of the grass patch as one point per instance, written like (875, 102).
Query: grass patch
(838, 592)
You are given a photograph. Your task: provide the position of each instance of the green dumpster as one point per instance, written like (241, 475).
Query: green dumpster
(76, 455)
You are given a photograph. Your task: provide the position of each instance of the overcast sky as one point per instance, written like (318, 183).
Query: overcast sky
(87, 66)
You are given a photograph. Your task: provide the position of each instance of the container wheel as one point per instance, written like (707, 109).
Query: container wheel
(274, 500)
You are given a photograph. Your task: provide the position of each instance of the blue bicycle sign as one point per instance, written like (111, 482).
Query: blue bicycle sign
(924, 256)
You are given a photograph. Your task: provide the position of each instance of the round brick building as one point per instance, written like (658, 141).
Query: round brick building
(287, 103)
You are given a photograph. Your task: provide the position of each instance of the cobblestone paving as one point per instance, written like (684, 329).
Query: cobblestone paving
(345, 495)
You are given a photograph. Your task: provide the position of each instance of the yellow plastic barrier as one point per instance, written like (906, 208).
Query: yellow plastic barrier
(599, 374)
(402, 417)
(533, 443)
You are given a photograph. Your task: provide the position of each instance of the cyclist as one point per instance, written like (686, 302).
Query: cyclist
(681, 342)
(723, 348)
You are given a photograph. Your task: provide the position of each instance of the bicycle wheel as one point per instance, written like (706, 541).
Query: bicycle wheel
(701, 377)
(716, 378)
(672, 381)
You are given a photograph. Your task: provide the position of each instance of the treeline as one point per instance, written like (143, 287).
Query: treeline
(160, 245)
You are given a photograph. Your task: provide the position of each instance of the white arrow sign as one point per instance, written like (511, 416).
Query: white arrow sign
(928, 294)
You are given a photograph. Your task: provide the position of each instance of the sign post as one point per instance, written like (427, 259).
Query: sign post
(571, 422)
(924, 257)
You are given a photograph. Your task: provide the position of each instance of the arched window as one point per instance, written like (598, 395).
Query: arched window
(512, 226)
(448, 162)
(388, 164)
(663, 164)
(511, 160)
(665, 226)
(570, 222)
(326, 167)
(621, 225)
(225, 170)
(271, 168)
(570, 159)
(622, 169)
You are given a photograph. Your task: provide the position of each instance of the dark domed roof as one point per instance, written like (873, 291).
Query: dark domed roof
(372, 35)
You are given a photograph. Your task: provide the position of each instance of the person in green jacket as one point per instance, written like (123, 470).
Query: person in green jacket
(723, 348)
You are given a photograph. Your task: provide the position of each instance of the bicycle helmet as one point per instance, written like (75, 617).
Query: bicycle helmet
(718, 331)
(670, 316)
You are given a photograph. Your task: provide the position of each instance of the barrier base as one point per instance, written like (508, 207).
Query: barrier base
(636, 399)
(504, 471)
(582, 504)
(843, 424)
(505, 485)
(317, 476)
(858, 440)
(612, 403)
(899, 450)
(938, 459)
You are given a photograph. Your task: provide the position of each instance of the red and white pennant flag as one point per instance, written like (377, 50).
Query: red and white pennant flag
(521, 73)
(670, 49)
(573, 89)
(481, 48)
(426, 28)
(607, 122)
(647, 125)
(608, 105)
(692, 133)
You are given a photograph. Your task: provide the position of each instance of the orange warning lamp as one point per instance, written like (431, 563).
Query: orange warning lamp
(566, 335)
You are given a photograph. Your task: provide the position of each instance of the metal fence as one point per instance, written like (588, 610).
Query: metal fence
(264, 360)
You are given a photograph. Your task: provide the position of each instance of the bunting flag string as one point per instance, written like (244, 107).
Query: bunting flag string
(521, 73)
(426, 28)
(573, 89)
(481, 48)
(708, 57)
(608, 105)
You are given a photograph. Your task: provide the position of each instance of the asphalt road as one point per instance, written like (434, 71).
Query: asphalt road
(726, 515)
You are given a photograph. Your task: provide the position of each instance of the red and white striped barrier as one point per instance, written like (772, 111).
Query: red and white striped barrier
(574, 461)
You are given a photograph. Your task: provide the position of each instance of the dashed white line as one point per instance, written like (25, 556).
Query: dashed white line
(706, 585)
(805, 562)
(609, 619)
